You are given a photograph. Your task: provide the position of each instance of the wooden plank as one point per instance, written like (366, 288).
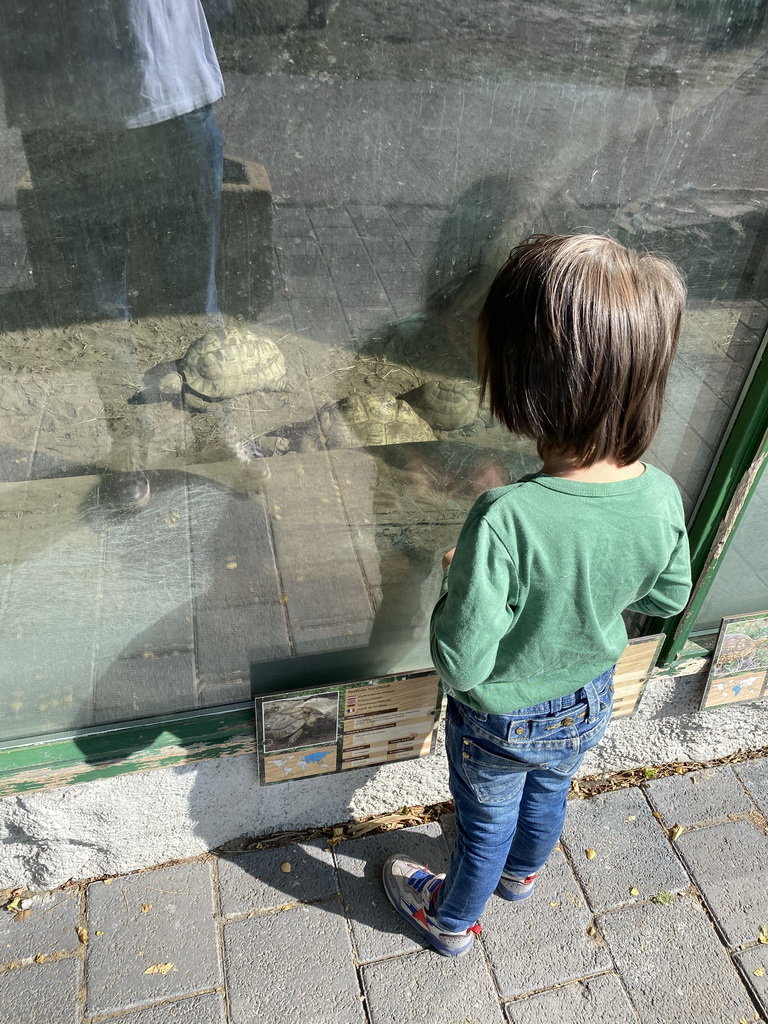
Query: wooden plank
(632, 671)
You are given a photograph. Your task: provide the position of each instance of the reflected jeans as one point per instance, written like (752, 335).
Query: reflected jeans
(509, 777)
(96, 189)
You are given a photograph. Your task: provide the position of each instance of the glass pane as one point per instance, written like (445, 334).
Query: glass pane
(237, 352)
(741, 584)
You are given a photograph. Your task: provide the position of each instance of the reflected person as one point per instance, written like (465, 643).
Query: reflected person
(113, 100)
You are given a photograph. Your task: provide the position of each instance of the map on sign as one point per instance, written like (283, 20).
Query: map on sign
(354, 725)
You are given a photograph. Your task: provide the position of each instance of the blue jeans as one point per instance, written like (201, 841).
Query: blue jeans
(509, 777)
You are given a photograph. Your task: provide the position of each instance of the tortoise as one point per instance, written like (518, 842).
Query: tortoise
(444, 404)
(226, 362)
(287, 722)
(736, 647)
(360, 420)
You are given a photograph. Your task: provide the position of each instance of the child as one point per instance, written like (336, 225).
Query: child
(576, 339)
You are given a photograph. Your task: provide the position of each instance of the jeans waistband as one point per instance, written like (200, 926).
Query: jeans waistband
(588, 694)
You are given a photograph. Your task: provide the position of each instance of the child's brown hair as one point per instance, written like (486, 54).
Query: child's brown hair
(575, 342)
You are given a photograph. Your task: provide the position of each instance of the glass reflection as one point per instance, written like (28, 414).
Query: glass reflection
(293, 373)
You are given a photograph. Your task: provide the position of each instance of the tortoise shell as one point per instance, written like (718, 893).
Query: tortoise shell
(360, 420)
(444, 404)
(288, 719)
(228, 361)
(735, 647)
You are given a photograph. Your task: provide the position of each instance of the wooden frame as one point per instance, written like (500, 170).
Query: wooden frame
(739, 670)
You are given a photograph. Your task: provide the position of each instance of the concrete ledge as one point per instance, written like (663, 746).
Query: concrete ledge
(115, 825)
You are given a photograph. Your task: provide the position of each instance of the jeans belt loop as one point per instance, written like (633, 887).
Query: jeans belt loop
(593, 704)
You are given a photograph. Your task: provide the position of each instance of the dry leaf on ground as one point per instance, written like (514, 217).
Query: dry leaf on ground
(160, 968)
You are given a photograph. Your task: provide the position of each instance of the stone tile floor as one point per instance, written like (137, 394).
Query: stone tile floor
(665, 924)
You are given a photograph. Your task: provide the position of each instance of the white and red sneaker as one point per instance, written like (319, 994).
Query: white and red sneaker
(512, 887)
(411, 888)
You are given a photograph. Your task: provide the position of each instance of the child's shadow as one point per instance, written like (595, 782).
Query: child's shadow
(344, 879)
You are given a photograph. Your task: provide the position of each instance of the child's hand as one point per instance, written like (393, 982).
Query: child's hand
(448, 558)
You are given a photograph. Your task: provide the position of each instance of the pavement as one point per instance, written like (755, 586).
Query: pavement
(653, 910)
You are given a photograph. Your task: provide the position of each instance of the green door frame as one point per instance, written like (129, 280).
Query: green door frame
(732, 484)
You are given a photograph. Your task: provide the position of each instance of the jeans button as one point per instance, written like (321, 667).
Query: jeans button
(519, 731)
(567, 721)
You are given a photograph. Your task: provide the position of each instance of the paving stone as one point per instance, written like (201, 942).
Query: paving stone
(600, 1000)
(295, 965)
(290, 219)
(256, 881)
(129, 688)
(338, 235)
(448, 825)
(377, 929)
(427, 987)
(754, 775)
(49, 929)
(553, 922)
(233, 556)
(631, 851)
(729, 865)
(207, 1009)
(178, 928)
(701, 796)
(751, 960)
(232, 639)
(41, 994)
(330, 216)
(673, 965)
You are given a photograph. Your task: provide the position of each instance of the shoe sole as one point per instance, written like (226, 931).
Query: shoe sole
(512, 897)
(394, 899)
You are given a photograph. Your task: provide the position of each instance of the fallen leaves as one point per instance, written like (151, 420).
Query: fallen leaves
(590, 854)
(634, 891)
(662, 898)
(285, 867)
(146, 907)
(82, 934)
(13, 906)
(337, 836)
(160, 968)
(762, 935)
(759, 972)
(675, 832)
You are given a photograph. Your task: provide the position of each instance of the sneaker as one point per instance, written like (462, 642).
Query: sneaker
(512, 887)
(411, 890)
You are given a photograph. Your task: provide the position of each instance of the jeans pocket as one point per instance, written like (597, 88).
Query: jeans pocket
(493, 777)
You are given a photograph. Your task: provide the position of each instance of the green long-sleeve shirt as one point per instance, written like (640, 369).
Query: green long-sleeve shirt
(531, 606)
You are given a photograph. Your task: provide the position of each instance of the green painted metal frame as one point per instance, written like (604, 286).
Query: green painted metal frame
(99, 754)
(733, 482)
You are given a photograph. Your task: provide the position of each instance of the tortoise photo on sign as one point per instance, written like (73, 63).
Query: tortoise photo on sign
(740, 661)
(300, 721)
